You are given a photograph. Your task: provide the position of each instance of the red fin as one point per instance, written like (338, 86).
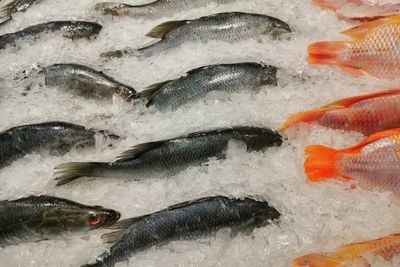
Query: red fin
(307, 116)
(347, 102)
(324, 52)
(351, 70)
(316, 260)
(372, 138)
(359, 32)
(327, 4)
(321, 163)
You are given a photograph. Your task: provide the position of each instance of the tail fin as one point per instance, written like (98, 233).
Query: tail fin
(71, 171)
(6, 12)
(325, 52)
(327, 4)
(316, 260)
(307, 117)
(321, 163)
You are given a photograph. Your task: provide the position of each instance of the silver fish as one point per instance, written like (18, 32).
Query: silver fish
(185, 221)
(69, 29)
(159, 8)
(199, 82)
(229, 27)
(14, 6)
(37, 218)
(169, 157)
(86, 81)
(54, 137)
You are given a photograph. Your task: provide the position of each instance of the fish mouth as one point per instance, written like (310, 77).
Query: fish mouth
(112, 217)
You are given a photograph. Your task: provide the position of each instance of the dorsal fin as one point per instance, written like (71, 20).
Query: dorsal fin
(372, 138)
(150, 90)
(121, 228)
(188, 203)
(359, 32)
(197, 70)
(138, 150)
(161, 30)
(347, 102)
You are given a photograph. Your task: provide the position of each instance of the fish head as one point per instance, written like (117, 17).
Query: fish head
(316, 260)
(276, 27)
(264, 214)
(126, 92)
(268, 75)
(79, 217)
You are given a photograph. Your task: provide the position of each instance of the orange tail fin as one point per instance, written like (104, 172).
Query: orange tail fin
(316, 260)
(325, 52)
(321, 163)
(327, 4)
(307, 117)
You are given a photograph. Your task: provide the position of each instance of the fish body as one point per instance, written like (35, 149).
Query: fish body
(159, 8)
(200, 82)
(14, 6)
(86, 81)
(168, 157)
(185, 221)
(366, 114)
(361, 10)
(374, 164)
(36, 218)
(374, 50)
(69, 29)
(54, 137)
(353, 254)
(229, 27)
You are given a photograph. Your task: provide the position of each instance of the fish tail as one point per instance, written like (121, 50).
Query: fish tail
(114, 9)
(321, 163)
(325, 52)
(72, 171)
(316, 260)
(6, 12)
(306, 117)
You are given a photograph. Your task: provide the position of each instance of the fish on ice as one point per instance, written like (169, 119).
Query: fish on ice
(56, 138)
(366, 114)
(156, 9)
(68, 29)
(201, 81)
(374, 50)
(353, 254)
(169, 157)
(229, 27)
(36, 218)
(361, 10)
(7, 10)
(373, 164)
(184, 221)
(86, 81)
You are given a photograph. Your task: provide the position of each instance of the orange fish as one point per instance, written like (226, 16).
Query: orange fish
(386, 247)
(374, 164)
(375, 50)
(366, 114)
(361, 10)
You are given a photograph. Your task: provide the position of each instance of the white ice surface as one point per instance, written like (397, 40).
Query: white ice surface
(316, 217)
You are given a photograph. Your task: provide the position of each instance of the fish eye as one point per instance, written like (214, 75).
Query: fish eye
(93, 218)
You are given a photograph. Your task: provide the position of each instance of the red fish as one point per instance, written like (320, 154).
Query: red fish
(366, 114)
(374, 50)
(374, 164)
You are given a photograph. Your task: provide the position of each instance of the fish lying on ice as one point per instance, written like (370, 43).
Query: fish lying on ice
(14, 6)
(366, 114)
(361, 10)
(374, 50)
(54, 137)
(37, 218)
(184, 221)
(156, 9)
(68, 29)
(353, 254)
(199, 82)
(374, 164)
(168, 157)
(229, 27)
(86, 81)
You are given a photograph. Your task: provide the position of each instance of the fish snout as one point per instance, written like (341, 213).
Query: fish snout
(114, 9)
(126, 92)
